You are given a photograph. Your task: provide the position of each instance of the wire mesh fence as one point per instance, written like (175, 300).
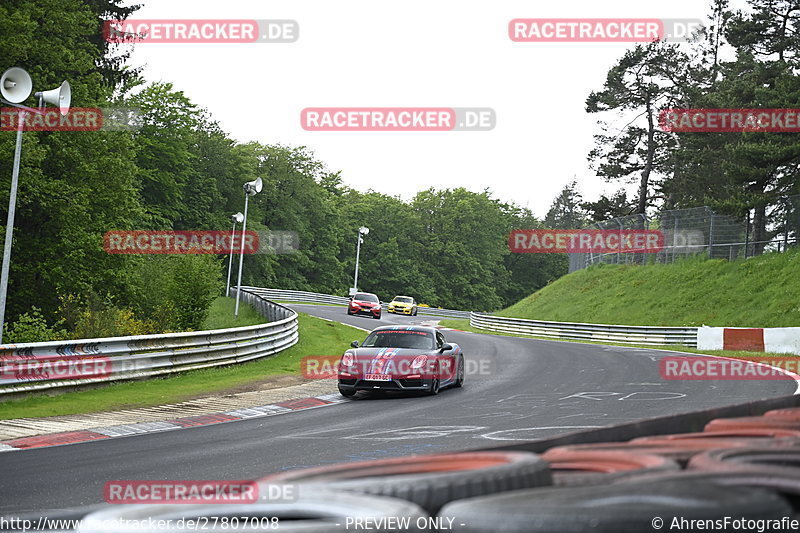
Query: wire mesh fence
(701, 231)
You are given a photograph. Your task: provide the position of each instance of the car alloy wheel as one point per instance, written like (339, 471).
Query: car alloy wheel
(460, 378)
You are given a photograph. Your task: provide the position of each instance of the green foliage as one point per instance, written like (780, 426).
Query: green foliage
(91, 316)
(732, 172)
(195, 283)
(180, 171)
(32, 327)
(176, 291)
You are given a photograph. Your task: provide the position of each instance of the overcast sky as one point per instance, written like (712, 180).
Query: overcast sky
(416, 53)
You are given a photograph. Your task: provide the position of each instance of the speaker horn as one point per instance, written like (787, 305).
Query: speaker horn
(253, 187)
(15, 85)
(238, 217)
(60, 97)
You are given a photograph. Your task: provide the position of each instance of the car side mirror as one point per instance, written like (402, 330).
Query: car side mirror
(354, 344)
(446, 347)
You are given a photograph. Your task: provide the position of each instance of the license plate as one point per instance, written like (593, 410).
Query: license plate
(378, 377)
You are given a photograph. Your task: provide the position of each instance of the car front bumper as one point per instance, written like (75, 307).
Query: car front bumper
(401, 310)
(365, 311)
(355, 383)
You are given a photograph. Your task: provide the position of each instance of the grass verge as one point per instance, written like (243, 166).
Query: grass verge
(757, 292)
(317, 337)
(220, 315)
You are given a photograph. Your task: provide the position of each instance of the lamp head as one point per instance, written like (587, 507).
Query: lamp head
(15, 85)
(253, 187)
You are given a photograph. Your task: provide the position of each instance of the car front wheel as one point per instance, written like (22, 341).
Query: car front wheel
(346, 392)
(460, 376)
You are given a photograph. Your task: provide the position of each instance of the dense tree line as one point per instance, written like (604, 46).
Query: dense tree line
(741, 59)
(180, 171)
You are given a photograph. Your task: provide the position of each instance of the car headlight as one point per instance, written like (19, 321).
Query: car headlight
(419, 361)
(347, 359)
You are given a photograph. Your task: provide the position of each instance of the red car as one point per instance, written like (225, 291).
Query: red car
(364, 303)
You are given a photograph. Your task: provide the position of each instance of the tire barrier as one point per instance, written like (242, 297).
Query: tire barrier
(776, 459)
(430, 481)
(593, 464)
(618, 508)
(753, 422)
(746, 433)
(313, 511)
(786, 484)
(789, 413)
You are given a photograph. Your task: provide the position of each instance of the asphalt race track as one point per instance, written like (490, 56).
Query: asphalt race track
(515, 389)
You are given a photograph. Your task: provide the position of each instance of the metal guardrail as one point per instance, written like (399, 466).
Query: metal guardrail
(593, 332)
(319, 298)
(42, 365)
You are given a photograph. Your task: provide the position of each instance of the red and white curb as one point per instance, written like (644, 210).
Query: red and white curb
(74, 437)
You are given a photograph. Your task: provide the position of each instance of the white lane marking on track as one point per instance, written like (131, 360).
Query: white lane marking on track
(590, 395)
(656, 396)
(639, 395)
(500, 435)
(417, 432)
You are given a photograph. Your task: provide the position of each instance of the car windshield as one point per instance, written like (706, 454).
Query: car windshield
(400, 339)
(403, 299)
(366, 297)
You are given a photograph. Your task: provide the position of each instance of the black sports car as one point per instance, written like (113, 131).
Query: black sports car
(401, 358)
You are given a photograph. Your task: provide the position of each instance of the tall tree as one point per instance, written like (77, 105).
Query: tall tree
(645, 79)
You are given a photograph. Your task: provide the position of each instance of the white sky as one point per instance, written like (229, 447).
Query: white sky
(415, 53)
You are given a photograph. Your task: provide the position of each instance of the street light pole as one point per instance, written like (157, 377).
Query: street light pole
(12, 206)
(363, 230)
(238, 217)
(250, 188)
(16, 87)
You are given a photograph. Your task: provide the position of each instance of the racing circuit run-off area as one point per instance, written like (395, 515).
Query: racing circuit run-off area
(355, 267)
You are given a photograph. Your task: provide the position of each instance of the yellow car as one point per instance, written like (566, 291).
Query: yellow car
(403, 305)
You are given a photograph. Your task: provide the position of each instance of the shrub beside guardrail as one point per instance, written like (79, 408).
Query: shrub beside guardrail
(143, 356)
(685, 336)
